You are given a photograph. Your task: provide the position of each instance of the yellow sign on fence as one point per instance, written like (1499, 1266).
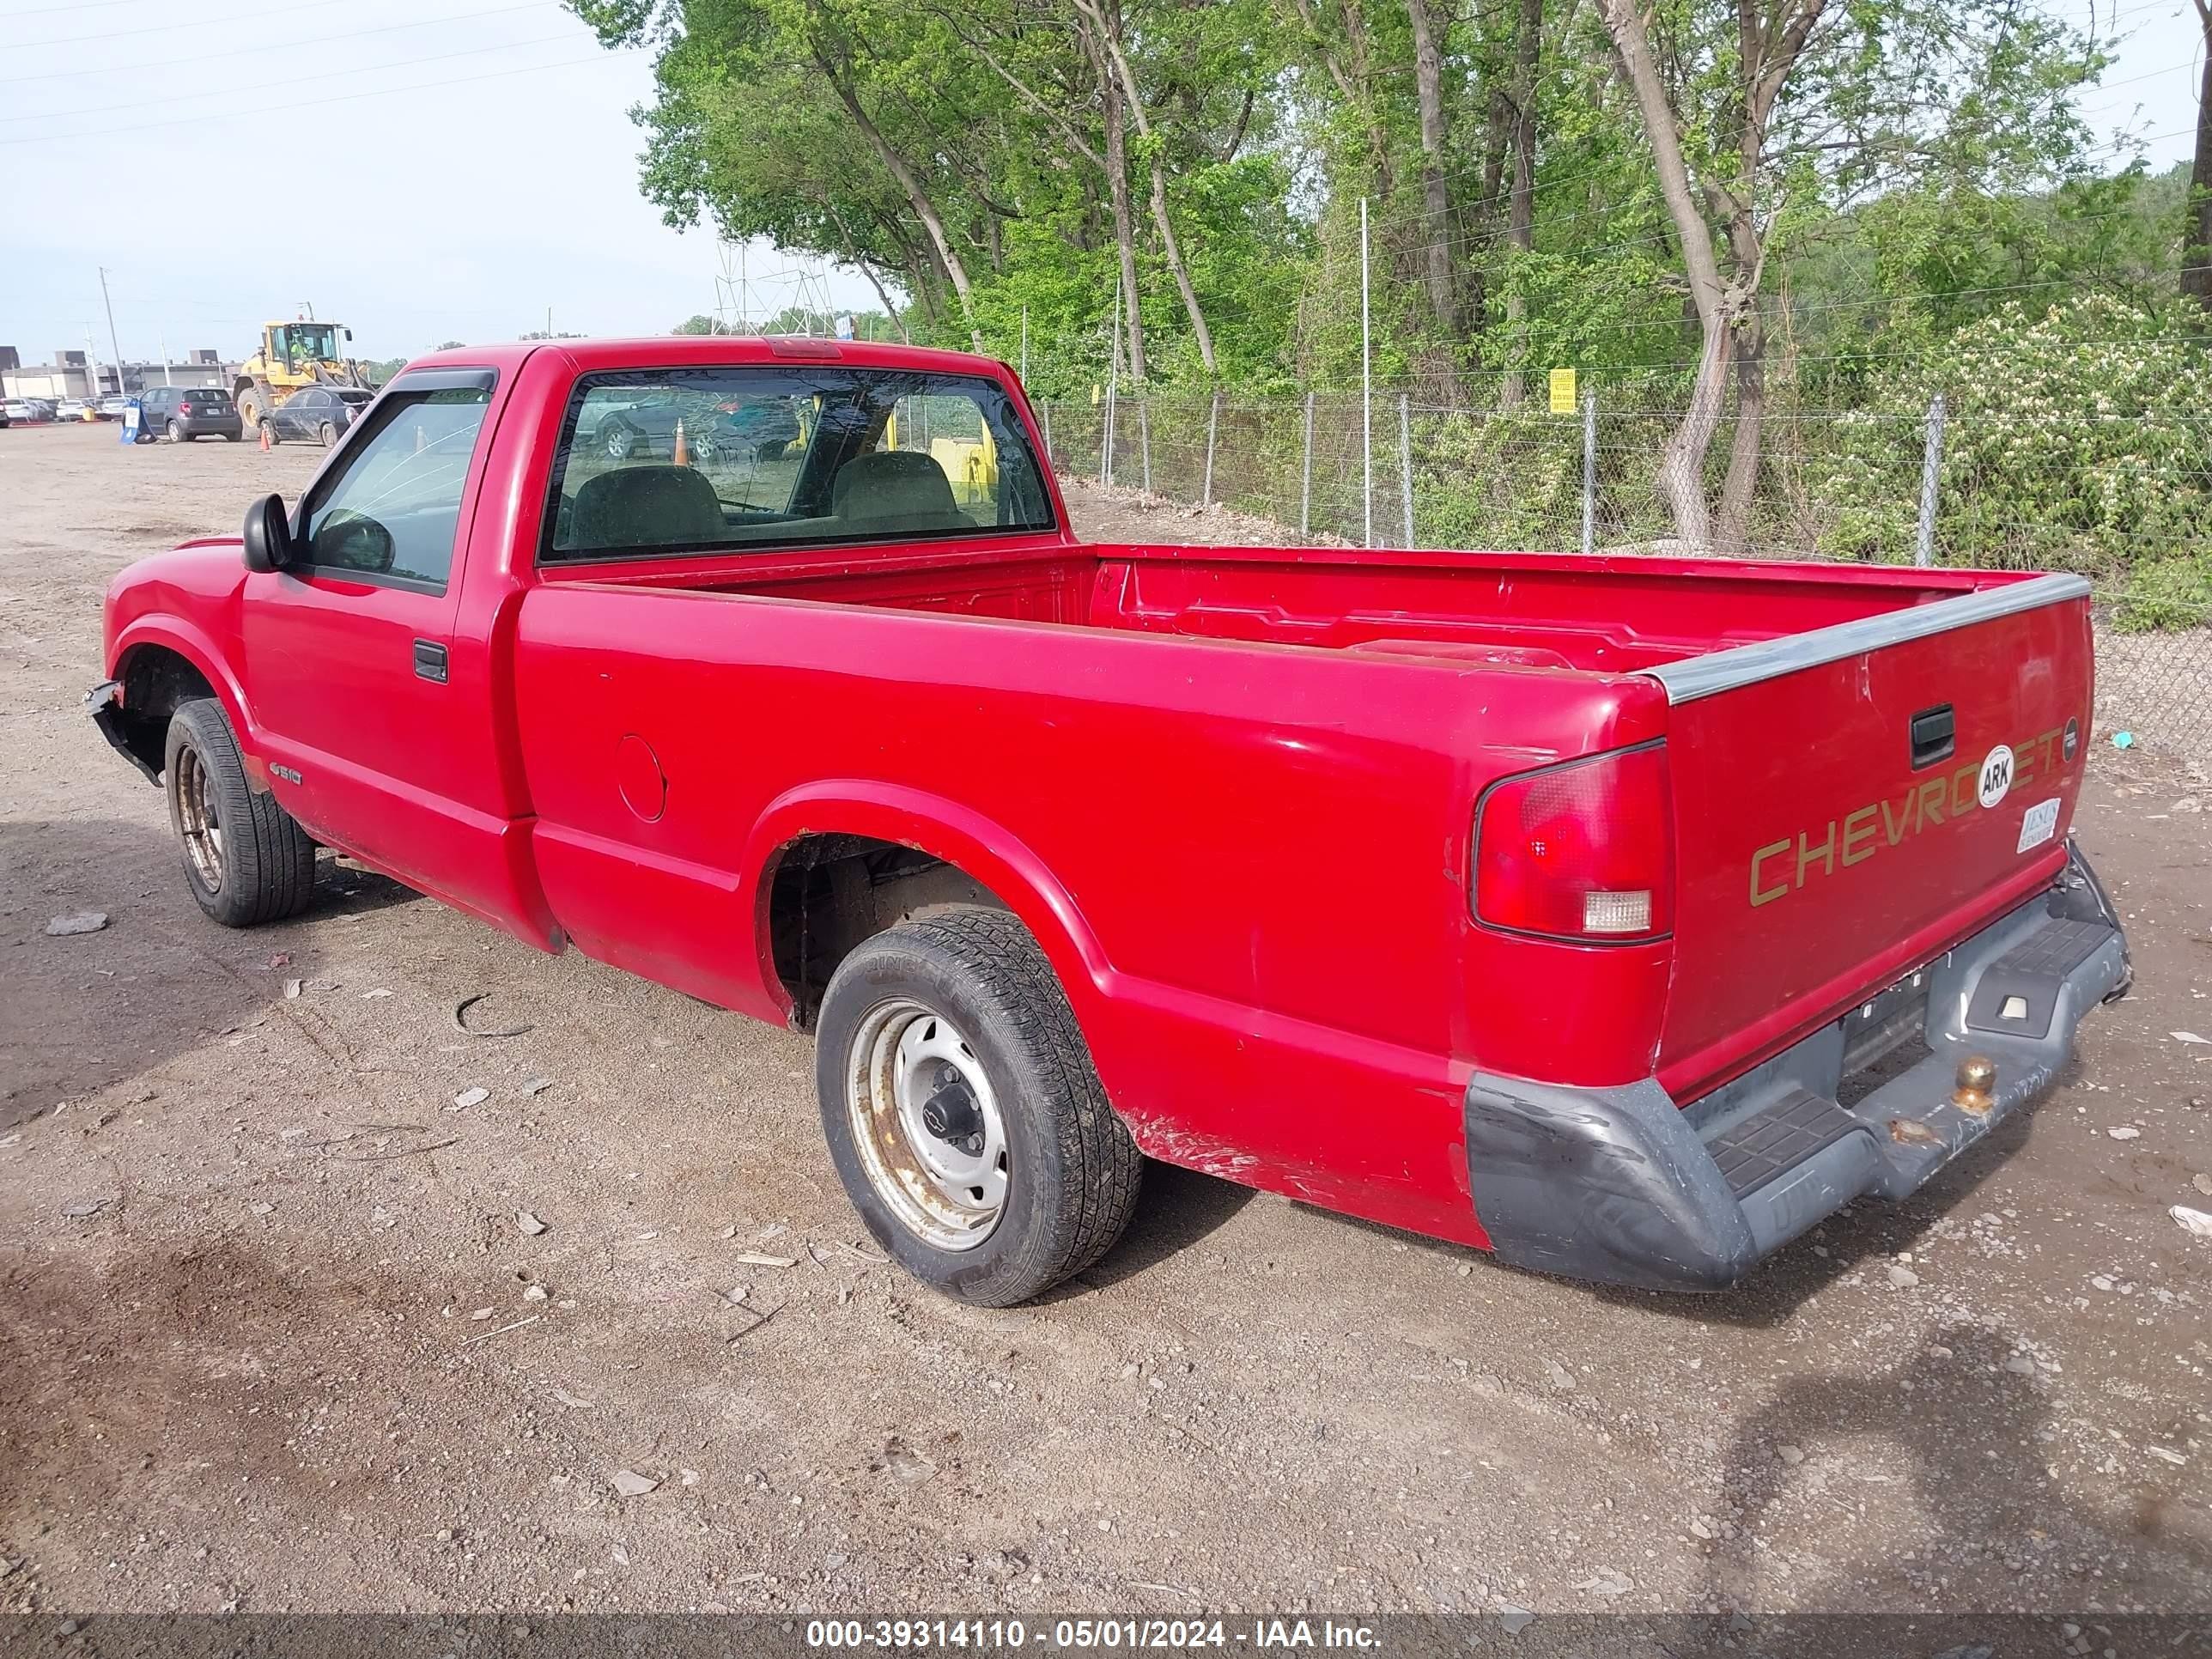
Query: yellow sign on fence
(1563, 391)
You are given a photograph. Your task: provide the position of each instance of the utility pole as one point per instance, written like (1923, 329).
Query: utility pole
(1113, 385)
(110, 304)
(1366, 397)
(92, 368)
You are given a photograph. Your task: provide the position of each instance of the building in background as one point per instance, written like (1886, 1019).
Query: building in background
(71, 374)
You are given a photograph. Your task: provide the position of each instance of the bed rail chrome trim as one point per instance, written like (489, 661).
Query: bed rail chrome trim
(1745, 664)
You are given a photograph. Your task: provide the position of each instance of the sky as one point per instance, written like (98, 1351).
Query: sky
(425, 171)
(422, 172)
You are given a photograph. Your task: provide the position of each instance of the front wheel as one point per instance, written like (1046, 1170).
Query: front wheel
(618, 440)
(962, 1112)
(177, 435)
(268, 431)
(247, 859)
(328, 434)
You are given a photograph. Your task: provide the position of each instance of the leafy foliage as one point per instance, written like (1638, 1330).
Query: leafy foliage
(1899, 211)
(2074, 440)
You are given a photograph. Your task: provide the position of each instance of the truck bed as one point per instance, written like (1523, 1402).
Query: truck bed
(1539, 611)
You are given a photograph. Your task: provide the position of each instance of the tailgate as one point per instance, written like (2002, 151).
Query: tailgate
(1851, 801)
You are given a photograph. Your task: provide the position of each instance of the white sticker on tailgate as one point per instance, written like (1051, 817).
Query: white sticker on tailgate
(2040, 824)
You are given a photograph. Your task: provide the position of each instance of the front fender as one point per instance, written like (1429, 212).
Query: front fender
(944, 829)
(165, 630)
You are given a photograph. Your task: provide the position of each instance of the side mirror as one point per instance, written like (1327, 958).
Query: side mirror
(267, 535)
(348, 334)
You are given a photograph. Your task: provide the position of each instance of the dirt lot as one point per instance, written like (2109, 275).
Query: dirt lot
(271, 1335)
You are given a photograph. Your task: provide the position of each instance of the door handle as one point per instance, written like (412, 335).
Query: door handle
(1934, 735)
(430, 661)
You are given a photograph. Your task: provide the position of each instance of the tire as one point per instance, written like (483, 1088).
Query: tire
(250, 412)
(772, 451)
(970, 985)
(267, 429)
(177, 435)
(232, 437)
(619, 441)
(328, 434)
(246, 860)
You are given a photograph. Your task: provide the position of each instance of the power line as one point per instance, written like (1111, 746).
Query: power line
(271, 46)
(170, 28)
(317, 103)
(327, 74)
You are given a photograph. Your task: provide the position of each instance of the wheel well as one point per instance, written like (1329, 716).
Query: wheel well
(830, 892)
(155, 679)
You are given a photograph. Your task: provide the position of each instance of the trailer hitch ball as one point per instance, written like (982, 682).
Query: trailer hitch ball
(1977, 1083)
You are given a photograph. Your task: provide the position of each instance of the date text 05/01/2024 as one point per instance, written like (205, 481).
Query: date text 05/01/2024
(1087, 1634)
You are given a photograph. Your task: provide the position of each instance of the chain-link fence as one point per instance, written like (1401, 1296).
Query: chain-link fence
(2130, 507)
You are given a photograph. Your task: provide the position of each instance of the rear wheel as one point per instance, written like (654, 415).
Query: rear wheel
(619, 441)
(250, 411)
(177, 435)
(967, 1124)
(246, 860)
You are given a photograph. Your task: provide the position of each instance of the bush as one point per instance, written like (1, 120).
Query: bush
(2075, 440)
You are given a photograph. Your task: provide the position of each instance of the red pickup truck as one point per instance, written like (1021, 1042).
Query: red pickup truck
(1622, 916)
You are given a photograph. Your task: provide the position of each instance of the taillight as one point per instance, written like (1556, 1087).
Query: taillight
(1584, 850)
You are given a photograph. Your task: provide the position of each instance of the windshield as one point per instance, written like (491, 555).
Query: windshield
(309, 342)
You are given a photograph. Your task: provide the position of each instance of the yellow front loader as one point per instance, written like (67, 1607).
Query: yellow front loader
(302, 352)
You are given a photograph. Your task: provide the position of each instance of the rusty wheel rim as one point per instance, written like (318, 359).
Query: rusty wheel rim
(199, 825)
(926, 1124)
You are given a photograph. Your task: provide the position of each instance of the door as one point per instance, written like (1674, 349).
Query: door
(347, 650)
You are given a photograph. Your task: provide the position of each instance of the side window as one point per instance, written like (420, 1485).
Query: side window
(395, 509)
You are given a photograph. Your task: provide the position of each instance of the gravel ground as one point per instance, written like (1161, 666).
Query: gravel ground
(284, 1324)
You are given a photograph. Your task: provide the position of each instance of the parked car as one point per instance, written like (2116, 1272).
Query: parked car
(21, 411)
(1624, 917)
(182, 413)
(318, 412)
(714, 429)
(113, 406)
(73, 409)
(44, 408)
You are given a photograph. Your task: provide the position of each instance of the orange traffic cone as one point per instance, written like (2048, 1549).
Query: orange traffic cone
(264, 437)
(683, 456)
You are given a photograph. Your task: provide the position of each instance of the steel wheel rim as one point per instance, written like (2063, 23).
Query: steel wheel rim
(199, 825)
(926, 1123)
(618, 445)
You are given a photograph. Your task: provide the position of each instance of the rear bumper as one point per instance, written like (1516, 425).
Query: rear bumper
(1621, 1186)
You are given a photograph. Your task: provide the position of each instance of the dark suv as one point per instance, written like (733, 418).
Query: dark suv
(182, 413)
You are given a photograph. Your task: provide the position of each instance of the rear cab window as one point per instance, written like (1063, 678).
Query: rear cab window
(704, 460)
